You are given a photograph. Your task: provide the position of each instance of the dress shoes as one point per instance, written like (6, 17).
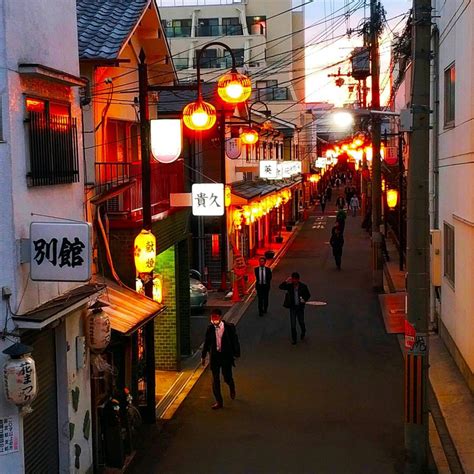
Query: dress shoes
(217, 406)
(293, 342)
(232, 393)
(303, 334)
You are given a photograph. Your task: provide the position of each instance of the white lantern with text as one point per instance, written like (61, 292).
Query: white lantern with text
(97, 328)
(19, 376)
(166, 139)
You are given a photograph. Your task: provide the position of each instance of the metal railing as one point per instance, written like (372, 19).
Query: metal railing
(53, 149)
(192, 3)
(165, 179)
(203, 30)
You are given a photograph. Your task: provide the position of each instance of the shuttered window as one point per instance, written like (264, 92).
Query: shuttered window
(41, 426)
(449, 261)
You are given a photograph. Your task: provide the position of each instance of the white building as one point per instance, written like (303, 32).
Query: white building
(42, 176)
(267, 39)
(451, 158)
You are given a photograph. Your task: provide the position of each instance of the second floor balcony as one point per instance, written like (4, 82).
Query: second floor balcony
(123, 183)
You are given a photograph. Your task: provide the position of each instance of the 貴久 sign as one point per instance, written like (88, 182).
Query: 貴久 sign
(208, 199)
(60, 251)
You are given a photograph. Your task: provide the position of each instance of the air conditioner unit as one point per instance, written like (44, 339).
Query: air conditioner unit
(435, 257)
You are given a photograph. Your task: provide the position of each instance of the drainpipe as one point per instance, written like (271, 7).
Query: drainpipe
(435, 294)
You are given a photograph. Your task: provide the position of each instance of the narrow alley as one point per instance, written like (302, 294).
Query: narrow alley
(299, 407)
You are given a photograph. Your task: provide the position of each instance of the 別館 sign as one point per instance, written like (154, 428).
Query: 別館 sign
(60, 251)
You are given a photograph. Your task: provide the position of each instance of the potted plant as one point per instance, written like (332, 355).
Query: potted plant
(278, 239)
(289, 227)
(269, 254)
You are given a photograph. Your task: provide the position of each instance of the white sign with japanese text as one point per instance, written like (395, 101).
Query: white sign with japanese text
(60, 251)
(233, 148)
(208, 199)
(291, 168)
(268, 169)
(320, 163)
(9, 434)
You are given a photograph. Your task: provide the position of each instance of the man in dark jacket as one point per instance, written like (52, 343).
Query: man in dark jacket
(263, 277)
(337, 242)
(297, 294)
(222, 344)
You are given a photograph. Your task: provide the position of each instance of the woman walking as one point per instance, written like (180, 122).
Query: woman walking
(337, 242)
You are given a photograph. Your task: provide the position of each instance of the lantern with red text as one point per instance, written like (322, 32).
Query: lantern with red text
(145, 251)
(234, 88)
(19, 376)
(97, 328)
(199, 115)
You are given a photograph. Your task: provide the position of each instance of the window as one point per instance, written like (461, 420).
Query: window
(449, 252)
(177, 28)
(449, 95)
(239, 57)
(257, 25)
(123, 142)
(231, 26)
(208, 27)
(52, 142)
(208, 58)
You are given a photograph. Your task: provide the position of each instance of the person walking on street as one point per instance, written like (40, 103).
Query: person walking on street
(222, 344)
(340, 202)
(263, 277)
(337, 242)
(354, 205)
(329, 193)
(297, 294)
(322, 201)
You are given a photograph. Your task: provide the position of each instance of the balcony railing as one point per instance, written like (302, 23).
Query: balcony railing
(53, 149)
(165, 179)
(272, 94)
(181, 63)
(193, 3)
(219, 63)
(205, 30)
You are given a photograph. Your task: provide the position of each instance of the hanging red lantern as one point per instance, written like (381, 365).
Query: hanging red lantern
(234, 88)
(249, 136)
(199, 115)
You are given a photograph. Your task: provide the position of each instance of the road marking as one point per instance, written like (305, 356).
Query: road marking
(316, 303)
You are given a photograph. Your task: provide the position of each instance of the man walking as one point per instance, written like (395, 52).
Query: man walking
(222, 344)
(337, 242)
(263, 277)
(297, 294)
(354, 205)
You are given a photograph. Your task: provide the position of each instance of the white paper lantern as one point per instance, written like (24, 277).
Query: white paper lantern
(97, 327)
(19, 375)
(166, 139)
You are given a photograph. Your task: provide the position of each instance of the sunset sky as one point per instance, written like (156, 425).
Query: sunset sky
(327, 44)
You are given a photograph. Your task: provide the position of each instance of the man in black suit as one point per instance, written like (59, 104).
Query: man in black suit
(222, 344)
(297, 294)
(263, 277)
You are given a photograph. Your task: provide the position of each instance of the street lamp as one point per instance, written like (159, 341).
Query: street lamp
(249, 135)
(232, 87)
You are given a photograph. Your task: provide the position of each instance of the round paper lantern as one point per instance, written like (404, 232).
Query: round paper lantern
(145, 251)
(19, 375)
(98, 330)
(234, 88)
(199, 115)
(158, 289)
(249, 136)
(166, 138)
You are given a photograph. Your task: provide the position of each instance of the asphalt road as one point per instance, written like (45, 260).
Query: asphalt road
(330, 404)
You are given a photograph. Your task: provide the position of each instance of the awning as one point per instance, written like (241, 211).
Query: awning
(127, 309)
(243, 192)
(55, 309)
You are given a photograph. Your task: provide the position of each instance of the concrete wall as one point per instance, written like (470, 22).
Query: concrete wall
(456, 154)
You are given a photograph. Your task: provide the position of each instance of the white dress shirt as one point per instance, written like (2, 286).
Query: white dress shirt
(262, 275)
(219, 333)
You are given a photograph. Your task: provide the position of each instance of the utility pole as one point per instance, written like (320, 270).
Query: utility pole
(149, 329)
(377, 260)
(418, 280)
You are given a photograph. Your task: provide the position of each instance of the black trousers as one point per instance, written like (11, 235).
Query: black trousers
(219, 364)
(262, 296)
(297, 313)
(337, 257)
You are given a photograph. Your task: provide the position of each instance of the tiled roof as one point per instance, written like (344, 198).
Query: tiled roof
(252, 189)
(104, 25)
